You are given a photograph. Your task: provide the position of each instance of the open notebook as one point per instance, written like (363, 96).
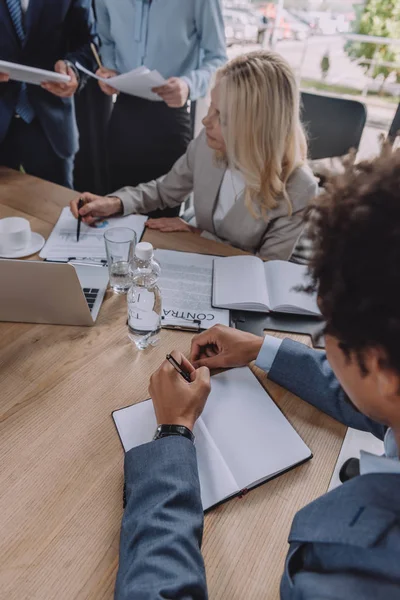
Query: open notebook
(242, 438)
(248, 283)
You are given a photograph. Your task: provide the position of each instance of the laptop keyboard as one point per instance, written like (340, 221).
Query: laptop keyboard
(91, 295)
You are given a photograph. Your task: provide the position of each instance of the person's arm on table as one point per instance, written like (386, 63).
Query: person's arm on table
(166, 192)
(162, 526)
(301, 370)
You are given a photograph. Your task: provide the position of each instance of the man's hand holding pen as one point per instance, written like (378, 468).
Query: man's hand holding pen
(177, 401)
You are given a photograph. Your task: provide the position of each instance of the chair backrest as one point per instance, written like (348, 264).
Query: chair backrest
(333, 125)
(395, 126)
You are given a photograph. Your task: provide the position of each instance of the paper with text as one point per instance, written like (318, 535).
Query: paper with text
(186, 290)
(62, 244)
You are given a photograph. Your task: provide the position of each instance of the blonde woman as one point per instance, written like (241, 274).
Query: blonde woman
(246, 169)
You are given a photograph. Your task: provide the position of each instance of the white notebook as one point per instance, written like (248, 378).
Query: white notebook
(242, 438)
(248, 283)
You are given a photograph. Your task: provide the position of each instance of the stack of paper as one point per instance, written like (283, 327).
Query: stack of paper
(31, 75)
(138, 82)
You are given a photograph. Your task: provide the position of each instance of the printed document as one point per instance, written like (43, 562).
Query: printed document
(186, 289)
(62, 244)
(138, 82)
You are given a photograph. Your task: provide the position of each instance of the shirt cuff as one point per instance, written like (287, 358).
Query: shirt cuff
(268, 352)
(189, 83)
(126, 201)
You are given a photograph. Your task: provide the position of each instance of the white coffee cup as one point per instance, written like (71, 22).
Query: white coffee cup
(15, 234)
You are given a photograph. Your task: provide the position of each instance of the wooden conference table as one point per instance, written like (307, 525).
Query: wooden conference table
(61, 469)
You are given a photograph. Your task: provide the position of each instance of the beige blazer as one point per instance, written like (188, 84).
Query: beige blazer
(197, 172)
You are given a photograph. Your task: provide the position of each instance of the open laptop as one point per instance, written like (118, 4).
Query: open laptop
(54, 293)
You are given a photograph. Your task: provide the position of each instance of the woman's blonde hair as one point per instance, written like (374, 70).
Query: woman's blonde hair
(260, 117)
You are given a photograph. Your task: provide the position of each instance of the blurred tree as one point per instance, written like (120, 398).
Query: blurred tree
(325, 64)
(379, 18)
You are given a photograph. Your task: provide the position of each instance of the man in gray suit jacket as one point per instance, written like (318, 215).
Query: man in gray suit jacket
(346, 544)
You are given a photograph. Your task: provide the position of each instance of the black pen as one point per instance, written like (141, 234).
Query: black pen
(78, 228)
(177, 367)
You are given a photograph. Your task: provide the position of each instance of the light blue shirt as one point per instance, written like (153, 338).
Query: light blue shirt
(179, 38)
(369, 463)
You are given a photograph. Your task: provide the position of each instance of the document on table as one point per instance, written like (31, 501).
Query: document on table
(31, 75)
(62, 244)
(138, 82)
(186, 290)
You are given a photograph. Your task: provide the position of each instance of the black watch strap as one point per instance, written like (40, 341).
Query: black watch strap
(167, 430)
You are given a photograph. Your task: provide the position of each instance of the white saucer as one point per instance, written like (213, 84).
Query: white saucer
(36, 244)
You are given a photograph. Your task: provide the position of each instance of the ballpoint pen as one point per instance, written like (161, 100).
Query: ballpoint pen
(78, 227)
(177, 367)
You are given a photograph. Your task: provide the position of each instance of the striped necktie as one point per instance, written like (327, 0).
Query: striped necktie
(24, 108)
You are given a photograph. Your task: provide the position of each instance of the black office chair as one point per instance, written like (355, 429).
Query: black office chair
(333, 125)
(395, 126)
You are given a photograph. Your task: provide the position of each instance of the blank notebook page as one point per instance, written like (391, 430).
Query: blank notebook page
(252, 434)
(136, 425)
(239, 280)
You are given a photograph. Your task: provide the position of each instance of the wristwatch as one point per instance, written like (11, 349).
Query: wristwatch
(163, 431)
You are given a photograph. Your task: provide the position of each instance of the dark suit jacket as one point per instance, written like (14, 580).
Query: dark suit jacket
(343, 546)
(55, 30)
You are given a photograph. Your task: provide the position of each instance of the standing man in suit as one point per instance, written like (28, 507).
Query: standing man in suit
(346, 544)
(37, 124)
(185, 42)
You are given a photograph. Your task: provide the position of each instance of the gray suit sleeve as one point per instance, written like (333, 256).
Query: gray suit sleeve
(283, 232)
(307, 373)
(167, 191)
(162, 526)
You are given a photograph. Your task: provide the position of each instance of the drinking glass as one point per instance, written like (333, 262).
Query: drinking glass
(120, 247)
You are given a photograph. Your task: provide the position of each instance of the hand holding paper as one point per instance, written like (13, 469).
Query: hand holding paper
(138, 82)
(62, 89)
(104, 73)
(175, 92)
(28, 74)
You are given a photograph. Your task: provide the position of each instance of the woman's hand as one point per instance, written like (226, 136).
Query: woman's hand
(95, 207)
(171, 224)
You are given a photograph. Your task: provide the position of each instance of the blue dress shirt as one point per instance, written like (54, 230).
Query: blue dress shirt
(369, 463)
(179, 38)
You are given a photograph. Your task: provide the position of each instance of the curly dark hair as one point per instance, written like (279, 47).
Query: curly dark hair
(355, 268)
